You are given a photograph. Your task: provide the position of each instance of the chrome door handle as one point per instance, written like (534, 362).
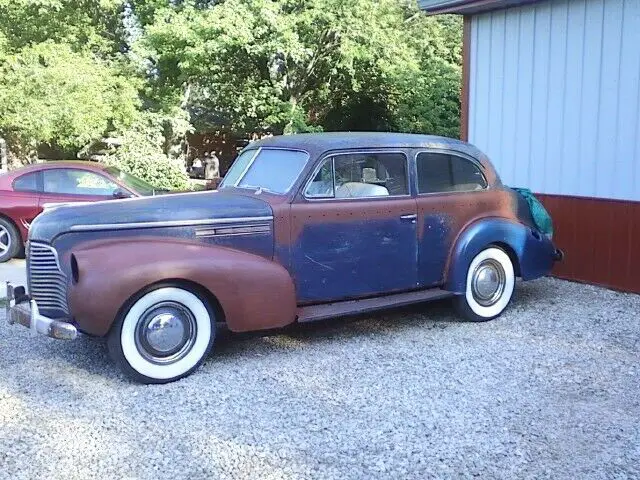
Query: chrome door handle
(411, 216)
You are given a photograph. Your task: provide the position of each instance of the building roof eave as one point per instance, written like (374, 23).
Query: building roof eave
(467, 7)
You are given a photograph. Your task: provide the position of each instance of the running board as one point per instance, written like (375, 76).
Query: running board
(352, 307)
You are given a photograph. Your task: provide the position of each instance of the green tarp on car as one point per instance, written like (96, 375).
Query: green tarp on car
(540, 215)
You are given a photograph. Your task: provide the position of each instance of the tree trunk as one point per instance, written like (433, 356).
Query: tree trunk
(4, 159)
(290, 126)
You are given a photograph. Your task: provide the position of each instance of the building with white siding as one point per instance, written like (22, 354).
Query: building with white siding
(551, 92)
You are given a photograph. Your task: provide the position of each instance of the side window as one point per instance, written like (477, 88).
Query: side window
(26, 183)
(77, 182)
(322, 184)
(440, 172)
(361, 175)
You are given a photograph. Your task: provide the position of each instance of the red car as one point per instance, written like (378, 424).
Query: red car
(25, 191)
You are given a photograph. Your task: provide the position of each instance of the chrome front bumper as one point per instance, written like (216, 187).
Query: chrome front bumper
(24, 311)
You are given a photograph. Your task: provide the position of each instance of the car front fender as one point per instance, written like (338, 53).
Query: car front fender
(254, 293)
(534, 253)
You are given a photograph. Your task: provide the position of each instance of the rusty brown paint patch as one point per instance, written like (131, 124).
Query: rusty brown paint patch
(118, 269)
(282, 224)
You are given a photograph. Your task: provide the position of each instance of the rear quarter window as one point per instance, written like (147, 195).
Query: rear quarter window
(26, 183)
(443, 172)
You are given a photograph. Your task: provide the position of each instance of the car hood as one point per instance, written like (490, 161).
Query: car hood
(175, 209)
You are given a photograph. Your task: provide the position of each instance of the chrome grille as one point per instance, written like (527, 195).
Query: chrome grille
(47, 284)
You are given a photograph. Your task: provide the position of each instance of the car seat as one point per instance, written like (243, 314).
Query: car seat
(359, 190)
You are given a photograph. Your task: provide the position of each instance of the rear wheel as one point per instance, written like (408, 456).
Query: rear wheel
(163, 335)
(489, 286)
(10, 241)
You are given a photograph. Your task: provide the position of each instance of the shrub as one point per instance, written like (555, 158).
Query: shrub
(159, 170)
(141, 153)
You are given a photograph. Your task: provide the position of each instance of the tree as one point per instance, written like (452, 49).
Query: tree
(65, 76)
(96, 67)
(295, 65)
(93, 25)
(428, 98)
(52, 94)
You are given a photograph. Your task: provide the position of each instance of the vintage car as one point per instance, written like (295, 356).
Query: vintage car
(303, 227)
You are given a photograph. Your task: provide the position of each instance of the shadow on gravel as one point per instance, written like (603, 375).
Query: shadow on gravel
(438, 314)
(91, 355)
(431, 315)
(530, 294)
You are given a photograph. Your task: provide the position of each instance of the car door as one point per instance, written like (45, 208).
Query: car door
(353, 228)
(75, 185)
(452, 193)
(22, 206)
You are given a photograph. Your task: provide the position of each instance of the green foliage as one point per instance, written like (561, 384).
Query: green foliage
(159, 170)
(293, 65)
(95, 25)
(428, 97)
(142, 154)
(51, 94)
(74, 71)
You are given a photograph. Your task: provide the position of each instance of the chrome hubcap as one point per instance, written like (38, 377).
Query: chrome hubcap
(5, 240)
(166, 332)
(488, 282)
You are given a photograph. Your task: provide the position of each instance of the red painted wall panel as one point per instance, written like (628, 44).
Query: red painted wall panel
(600, 238)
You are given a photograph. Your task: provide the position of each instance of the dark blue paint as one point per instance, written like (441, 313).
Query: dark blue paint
(173, 207)
(333, 261)
(534, 251)
(259, 244)
(319, 143)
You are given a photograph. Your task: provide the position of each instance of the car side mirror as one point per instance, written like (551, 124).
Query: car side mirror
(120, 193)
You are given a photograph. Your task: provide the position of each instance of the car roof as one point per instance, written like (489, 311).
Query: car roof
(86, 164)
(318, 143)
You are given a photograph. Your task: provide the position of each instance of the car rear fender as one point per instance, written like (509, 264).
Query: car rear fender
(532, 253)
(254, 292)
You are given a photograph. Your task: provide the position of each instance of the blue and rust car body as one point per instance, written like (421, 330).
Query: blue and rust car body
(266, 260)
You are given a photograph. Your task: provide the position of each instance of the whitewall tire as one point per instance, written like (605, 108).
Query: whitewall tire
(163, 335)
(490, 284)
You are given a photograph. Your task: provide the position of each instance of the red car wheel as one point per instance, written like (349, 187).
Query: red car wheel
(9, 240)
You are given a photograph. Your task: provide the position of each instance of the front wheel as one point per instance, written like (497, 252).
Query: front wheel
(489, 286)
(164, 335)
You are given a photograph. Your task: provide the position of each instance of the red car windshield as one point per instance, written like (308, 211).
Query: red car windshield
(134, 183)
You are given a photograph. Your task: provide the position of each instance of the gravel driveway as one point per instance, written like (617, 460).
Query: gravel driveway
(549, 390)
(14, 271)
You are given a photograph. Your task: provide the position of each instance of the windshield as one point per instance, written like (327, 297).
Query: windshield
(270, 169)
(135, 183)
